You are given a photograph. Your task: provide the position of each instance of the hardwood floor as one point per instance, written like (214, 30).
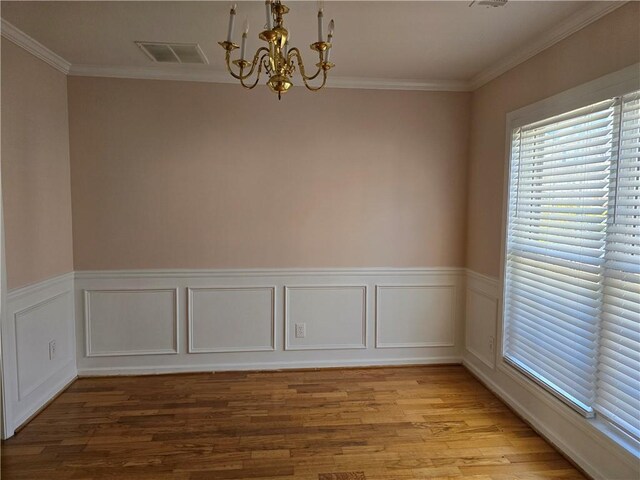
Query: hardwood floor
(335, 424)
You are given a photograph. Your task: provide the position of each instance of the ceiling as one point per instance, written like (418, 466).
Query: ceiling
(417, 42)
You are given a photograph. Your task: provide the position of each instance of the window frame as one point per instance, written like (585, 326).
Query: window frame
(611, 85)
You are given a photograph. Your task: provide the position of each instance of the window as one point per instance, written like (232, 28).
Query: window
(572, 259)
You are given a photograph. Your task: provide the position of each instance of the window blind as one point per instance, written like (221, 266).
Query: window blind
(572, 264)
(618, 385)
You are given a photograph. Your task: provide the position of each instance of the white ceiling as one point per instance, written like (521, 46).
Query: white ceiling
(420, 41)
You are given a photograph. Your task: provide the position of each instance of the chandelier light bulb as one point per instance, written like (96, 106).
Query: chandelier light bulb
(329, 39)
(243, 47)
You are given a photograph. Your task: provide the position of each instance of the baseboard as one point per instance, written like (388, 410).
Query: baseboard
(265, 366)
(64, 377)
(56, 391)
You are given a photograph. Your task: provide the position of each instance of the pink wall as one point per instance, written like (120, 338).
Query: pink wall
(180, 174)
(35, 168)
(194, 175)
(605, 46)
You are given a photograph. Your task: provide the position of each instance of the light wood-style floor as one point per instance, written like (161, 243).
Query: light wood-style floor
(335, 424)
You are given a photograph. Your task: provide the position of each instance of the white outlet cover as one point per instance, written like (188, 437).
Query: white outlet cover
(301, 330)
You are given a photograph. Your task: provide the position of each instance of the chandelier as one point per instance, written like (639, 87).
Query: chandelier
(278, 57)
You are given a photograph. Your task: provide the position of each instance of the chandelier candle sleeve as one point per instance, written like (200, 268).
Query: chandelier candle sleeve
(320, 18)
(243, 47)
(232, 19)
(267, 7)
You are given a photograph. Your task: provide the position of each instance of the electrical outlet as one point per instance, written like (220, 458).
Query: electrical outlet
(301, 330)
(491, 343)
(52, 349)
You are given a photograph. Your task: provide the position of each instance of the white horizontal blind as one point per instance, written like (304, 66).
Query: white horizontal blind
(560, 175)
(618, 387)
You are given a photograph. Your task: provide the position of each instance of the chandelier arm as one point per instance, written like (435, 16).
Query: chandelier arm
(294, 52)
(253, 64)
(315, 89)
(249, 87)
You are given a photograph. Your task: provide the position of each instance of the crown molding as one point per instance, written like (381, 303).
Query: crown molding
(187, 73)
(34, 47)
(564, 29)
(204, 74)
(398, 84)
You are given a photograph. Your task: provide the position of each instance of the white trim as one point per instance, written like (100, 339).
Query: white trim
(381, 287)
(87, 322)
(398, 84)
(571, 25)
(34, 47)
(341, 346)
(41, 285)
(263, 272)
(5, 398)
(202, 73)
(264, 348)
(492, 281)
(613, 84)
(263, 366)
(70, 374)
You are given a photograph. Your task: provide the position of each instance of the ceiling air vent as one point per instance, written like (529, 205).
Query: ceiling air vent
(173, 52)
(489, 3)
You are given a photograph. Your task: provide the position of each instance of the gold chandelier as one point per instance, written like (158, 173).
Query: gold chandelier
(277, 58)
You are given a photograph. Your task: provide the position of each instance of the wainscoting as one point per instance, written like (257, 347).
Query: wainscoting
(586, 442)
(36, 369)
(133, 322)
(145, 322)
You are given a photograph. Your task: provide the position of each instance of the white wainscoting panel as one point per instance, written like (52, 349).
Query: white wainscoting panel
(243, 320)
(131, 321)
(36, 316)
(409, 316)
(232, 319)
(481, 318)
(335, 317)
(35, 327)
